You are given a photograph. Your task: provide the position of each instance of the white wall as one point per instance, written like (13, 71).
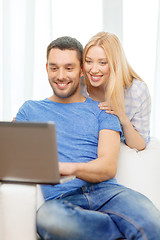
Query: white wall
(113, 17)
(140, 20)
(28, 26)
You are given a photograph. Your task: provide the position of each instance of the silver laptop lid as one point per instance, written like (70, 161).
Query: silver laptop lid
(28, 153)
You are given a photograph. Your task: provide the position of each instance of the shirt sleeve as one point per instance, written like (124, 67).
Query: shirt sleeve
(22, 113)
(141, 118)
(109, 121)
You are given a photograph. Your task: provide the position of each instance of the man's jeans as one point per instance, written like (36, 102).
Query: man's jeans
(102, 211)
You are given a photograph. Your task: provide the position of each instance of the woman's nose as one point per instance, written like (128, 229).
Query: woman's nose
(94, 68)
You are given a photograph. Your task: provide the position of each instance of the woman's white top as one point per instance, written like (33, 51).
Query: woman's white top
(138, 107)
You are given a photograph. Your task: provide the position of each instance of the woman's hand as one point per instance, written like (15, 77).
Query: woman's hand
(104, 106)
(120, 114)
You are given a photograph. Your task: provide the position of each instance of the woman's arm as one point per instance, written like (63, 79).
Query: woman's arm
(133, 139)
(102, 168)
(135, 120)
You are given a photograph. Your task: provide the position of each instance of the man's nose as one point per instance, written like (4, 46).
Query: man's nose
(61, 74)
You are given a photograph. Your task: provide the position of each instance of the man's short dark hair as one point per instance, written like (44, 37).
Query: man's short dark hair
(67, 43)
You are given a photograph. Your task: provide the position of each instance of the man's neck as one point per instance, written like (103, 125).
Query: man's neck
(72, 99)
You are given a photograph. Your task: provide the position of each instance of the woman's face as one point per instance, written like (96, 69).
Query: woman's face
(96, 66)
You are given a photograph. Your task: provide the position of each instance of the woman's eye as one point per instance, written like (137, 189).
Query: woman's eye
(103, 63)
(89, 62)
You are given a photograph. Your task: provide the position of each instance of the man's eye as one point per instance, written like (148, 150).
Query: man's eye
(69, 69)
(54, 69)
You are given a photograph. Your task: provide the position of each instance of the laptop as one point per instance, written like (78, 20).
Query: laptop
(28, 153)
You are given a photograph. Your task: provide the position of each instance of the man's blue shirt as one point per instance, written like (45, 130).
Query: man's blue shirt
(77, 129)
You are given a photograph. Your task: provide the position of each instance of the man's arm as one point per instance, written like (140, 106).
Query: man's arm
(102, 168)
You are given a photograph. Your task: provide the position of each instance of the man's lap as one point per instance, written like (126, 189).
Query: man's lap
(75, 218)
(111, 204)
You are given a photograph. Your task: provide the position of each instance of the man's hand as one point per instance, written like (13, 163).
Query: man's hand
(67, 168)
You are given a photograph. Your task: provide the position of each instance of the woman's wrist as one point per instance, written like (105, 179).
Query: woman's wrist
(125, 121)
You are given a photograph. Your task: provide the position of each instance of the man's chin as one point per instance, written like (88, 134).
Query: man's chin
(64, 94)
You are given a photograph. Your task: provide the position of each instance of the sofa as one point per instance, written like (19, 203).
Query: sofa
(139, 170)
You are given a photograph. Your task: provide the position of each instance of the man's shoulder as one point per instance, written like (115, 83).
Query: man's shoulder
(106, 120)
(92, 102)
(32, 103)
(100, 113)
(92, 105)
(31, 109)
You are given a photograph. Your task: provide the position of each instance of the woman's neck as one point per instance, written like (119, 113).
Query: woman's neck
(96, 93)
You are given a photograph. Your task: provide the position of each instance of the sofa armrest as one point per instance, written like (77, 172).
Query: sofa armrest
(140, 170)
(17, 211)
(40, 198)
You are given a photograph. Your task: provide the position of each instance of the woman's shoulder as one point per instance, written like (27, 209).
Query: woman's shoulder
(138, 83)
(138, 88)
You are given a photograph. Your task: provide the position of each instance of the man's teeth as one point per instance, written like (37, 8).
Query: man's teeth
(62, 84)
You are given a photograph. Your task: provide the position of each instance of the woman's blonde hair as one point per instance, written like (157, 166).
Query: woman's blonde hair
(121, 73)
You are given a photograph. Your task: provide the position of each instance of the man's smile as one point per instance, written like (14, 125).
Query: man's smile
(62, 85)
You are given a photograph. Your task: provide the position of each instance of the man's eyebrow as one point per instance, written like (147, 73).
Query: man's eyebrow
(70, 64)
(52, 64)
(67, 64)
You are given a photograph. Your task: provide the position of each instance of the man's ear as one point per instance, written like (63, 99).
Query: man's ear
(82, 74)
(47, 67)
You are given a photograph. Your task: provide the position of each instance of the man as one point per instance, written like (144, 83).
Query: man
(93, 205)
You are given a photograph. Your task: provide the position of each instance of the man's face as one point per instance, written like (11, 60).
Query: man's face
(64, 72)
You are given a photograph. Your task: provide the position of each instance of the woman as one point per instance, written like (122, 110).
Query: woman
(111, 80)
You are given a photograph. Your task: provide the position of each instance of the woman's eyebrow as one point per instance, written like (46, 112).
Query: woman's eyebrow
(98, 58)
